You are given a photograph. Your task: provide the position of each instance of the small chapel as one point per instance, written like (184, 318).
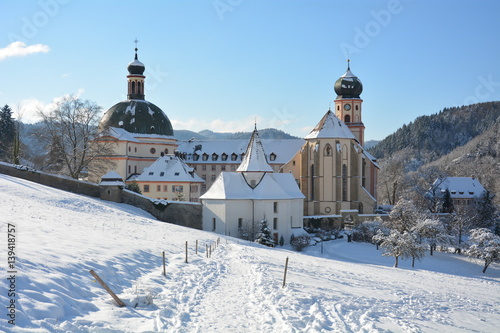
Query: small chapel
(238, 201)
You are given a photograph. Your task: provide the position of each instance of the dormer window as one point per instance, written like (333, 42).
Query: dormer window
(151, 173)
(272, 157)
(224, 156)
(204, 157)
(162, 174)
(196, 157)
(234, 157)
(214, 157)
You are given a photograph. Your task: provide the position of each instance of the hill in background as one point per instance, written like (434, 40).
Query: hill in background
(434, 136)
(267, 133)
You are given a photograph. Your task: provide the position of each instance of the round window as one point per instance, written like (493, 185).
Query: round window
(328, 209)
(152, 150)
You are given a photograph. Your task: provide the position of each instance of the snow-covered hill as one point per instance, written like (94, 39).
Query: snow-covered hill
(60, 236)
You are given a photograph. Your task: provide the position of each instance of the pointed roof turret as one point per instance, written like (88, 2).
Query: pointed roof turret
(255, 158)
(330, 127)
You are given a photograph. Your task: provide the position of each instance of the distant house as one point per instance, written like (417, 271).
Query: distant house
(238, 201)
(169, 178)
(463, 190)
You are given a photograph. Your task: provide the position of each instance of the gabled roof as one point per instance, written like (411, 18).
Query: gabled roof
(330, 127)
(255, 158)
(169, 168)
(460, 187)
(273, 186)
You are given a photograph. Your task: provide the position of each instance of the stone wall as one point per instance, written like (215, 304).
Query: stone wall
(56, 181)
(186, 214)
(181, 213)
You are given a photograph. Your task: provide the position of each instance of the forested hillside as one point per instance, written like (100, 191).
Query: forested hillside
(431, 137)
(456, 142)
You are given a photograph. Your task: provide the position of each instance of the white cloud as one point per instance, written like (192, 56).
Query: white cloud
(20, 49)
(27, 110)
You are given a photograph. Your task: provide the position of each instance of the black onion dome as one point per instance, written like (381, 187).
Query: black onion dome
(136, 67)
(348, 86)
(137, 116)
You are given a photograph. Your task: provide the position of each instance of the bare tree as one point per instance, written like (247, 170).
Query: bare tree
(70, 130)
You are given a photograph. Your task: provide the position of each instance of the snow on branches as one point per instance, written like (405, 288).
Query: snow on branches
(484, 245)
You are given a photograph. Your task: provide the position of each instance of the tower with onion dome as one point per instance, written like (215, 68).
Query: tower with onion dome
(348, 104)
(141, 131)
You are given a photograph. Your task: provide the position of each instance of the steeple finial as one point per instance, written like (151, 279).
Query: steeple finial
(348, 64)
(136, 41)
(255, 123)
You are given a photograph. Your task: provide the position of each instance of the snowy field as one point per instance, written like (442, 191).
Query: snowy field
(60, 236)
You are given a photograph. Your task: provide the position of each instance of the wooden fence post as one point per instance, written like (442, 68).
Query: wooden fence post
(206, 249)
(105, 286)
(284, 276)
(164, 269)
(186, 252)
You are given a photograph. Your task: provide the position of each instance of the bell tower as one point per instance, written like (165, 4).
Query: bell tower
(136, 78)
(348, 104)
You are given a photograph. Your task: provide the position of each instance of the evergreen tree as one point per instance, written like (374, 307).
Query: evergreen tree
(447, 202)
(7, 132)
(264, 237)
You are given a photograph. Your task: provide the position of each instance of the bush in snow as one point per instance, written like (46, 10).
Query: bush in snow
(300, 242)
(264, 237)
(400, 245)
(365, 231)
(484, 245)
(282, 240)
(134, 187)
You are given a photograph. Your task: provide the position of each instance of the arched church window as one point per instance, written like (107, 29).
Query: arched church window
(328, 150)
(347, 118)
(133, 87)
(357, 107)
(338, 107)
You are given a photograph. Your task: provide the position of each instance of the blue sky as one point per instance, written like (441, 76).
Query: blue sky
(222, 64)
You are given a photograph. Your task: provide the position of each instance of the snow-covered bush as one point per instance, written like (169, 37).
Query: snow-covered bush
(484, 245)
(300, 242)
(365, 231)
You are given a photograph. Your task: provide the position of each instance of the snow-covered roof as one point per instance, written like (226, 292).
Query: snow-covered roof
(112, 175)
(330, 127)
(460, 187)
(169, 168)
(371, 158)
(278, 151)
(255, 157)
(123, 135)
(273, 186)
